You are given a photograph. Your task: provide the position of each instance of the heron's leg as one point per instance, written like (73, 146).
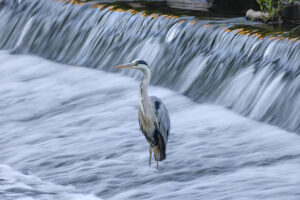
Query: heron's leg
(150, 151)
(155, 153)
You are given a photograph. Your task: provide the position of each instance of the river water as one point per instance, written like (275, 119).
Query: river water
(71, 132)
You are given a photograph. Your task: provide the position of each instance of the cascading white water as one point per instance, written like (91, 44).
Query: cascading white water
(69, 132)
(202, 59)
(72, 133)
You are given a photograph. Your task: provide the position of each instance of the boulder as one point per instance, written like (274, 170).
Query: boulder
(256, 15)
(203, 5)
(238, 7)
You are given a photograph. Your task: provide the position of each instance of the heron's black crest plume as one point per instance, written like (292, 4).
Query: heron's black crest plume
(142, 62)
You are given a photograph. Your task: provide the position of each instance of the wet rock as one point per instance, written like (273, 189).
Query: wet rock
(203, 5)
(256, 15)
(226, 6)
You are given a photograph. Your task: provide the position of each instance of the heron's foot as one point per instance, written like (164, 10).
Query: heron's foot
(156, 164)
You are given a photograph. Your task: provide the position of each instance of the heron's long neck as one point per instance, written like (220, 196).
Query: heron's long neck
(145, 102)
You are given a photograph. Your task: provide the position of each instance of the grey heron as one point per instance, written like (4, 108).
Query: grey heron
(153, 115)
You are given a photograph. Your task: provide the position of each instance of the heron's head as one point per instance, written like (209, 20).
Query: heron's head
(136, 64)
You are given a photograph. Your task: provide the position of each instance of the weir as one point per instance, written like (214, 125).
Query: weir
(209, 60)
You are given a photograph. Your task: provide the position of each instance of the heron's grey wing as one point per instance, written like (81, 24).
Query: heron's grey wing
(163, 118)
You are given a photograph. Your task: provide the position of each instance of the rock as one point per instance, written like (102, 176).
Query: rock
(256, 15)
(203, 5)
(226, 6)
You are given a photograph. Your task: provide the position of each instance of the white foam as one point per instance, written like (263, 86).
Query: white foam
(15, 185)
(75, 132)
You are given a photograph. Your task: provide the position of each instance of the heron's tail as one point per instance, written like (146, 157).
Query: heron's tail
(160, 150)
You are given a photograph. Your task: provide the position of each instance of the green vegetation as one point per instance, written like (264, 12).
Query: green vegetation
(273, 8)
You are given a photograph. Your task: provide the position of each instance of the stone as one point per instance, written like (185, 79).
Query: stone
(256, 15)
(202, 5)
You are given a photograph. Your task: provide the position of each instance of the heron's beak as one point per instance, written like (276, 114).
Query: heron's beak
(128, 65)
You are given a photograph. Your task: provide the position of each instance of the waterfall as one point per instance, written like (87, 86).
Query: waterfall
(213, 61)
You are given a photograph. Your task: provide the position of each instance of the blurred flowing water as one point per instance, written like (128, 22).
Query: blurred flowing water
(254, 76)
(69, 132)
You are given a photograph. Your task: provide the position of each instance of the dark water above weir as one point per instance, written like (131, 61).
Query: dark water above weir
(69, 132)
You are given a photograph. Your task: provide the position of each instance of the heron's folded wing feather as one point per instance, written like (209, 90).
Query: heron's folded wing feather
(163, 118)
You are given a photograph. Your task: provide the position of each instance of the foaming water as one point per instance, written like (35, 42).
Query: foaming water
(15, 185)
(206, 60)
(72, 133)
